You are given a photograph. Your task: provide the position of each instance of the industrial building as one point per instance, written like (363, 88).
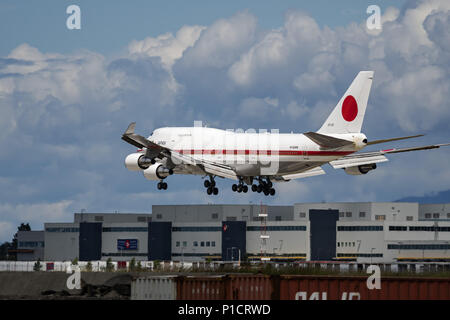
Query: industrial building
(378, 232)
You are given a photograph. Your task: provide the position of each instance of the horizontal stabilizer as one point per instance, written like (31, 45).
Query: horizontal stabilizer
(434, 146)
(392, 139)
(327, 142)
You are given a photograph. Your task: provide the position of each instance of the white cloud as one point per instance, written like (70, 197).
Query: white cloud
(167, 46)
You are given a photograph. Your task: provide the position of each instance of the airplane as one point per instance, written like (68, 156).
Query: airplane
(259, 159)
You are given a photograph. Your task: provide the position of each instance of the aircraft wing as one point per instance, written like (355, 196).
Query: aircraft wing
(309, 173)
(153, 149)
(376, 156)
(208, 167)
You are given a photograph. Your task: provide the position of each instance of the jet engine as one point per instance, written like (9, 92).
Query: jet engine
(362, 169)
(157, 172)
(137, 162)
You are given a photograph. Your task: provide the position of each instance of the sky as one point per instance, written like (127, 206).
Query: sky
(66, 96)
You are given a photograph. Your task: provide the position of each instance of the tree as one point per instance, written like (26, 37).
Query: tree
(109, 265)
(4, 248)
(37, 265)
(12, 247)
(132, 266)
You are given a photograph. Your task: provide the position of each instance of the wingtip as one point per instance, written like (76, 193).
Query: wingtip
(130, 129)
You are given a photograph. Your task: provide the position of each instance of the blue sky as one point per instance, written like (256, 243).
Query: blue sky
(67, 96)
(108, 26)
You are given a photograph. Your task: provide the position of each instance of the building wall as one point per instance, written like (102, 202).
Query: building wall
(434, 211)
(191, 240)
(398, 238)
(283, 239)
(112, 232)
(61, 241)
(30, 240)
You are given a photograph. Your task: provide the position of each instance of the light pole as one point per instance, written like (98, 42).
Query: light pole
(371, 250)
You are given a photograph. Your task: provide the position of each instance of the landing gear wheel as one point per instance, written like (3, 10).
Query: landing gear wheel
(272, 192)
(159, 186)
(215, 191)
(234, 187)
(254, 188)
(209, 191)
(245, 189)
(259, 189)
(207, 184)
(164, 186)
(266, 192)
(239, 188)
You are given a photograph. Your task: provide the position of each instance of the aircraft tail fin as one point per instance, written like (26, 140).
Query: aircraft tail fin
(348, 115)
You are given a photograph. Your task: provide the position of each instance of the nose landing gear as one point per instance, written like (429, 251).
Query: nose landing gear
(162, 185)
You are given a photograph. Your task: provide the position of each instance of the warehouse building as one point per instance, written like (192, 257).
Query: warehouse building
(379, 232)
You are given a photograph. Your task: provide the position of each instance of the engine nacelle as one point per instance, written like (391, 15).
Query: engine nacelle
(362, 169)
(157, 172)
(137, 162)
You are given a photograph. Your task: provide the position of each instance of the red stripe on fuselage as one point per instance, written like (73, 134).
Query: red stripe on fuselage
(267, 152)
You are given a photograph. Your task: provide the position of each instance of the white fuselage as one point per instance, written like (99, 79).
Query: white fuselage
(248, 152)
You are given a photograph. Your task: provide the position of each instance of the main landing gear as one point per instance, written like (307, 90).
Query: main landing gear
(210, 186)
(264, 186)
(162, 185)
(241, 187)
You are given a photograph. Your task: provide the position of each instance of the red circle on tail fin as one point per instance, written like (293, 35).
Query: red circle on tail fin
(349, 108)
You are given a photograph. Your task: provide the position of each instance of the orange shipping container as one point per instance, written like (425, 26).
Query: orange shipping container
(355, 288)
(249, 287)
(225, 287)
(201, 288)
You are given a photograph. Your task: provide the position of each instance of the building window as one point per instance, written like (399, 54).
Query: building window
(427, 215)
(341, 214)
(435, 215)
(380, 217)
(158, 216)
(184, 243)
(231, 218)
(302, 214)
(338, 244)
(278, 218)
(348, 214)
(208, 244)
(98, 218)
(202, 244)
(142, 219)
(195, 243)
(360, 228)
(177, 244)
(448, 215)
(213, 243)
(409, 218)
(362, 214)
(215, 216)
(398, 228)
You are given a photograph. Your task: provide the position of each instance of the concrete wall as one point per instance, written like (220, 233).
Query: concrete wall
(61, 241)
